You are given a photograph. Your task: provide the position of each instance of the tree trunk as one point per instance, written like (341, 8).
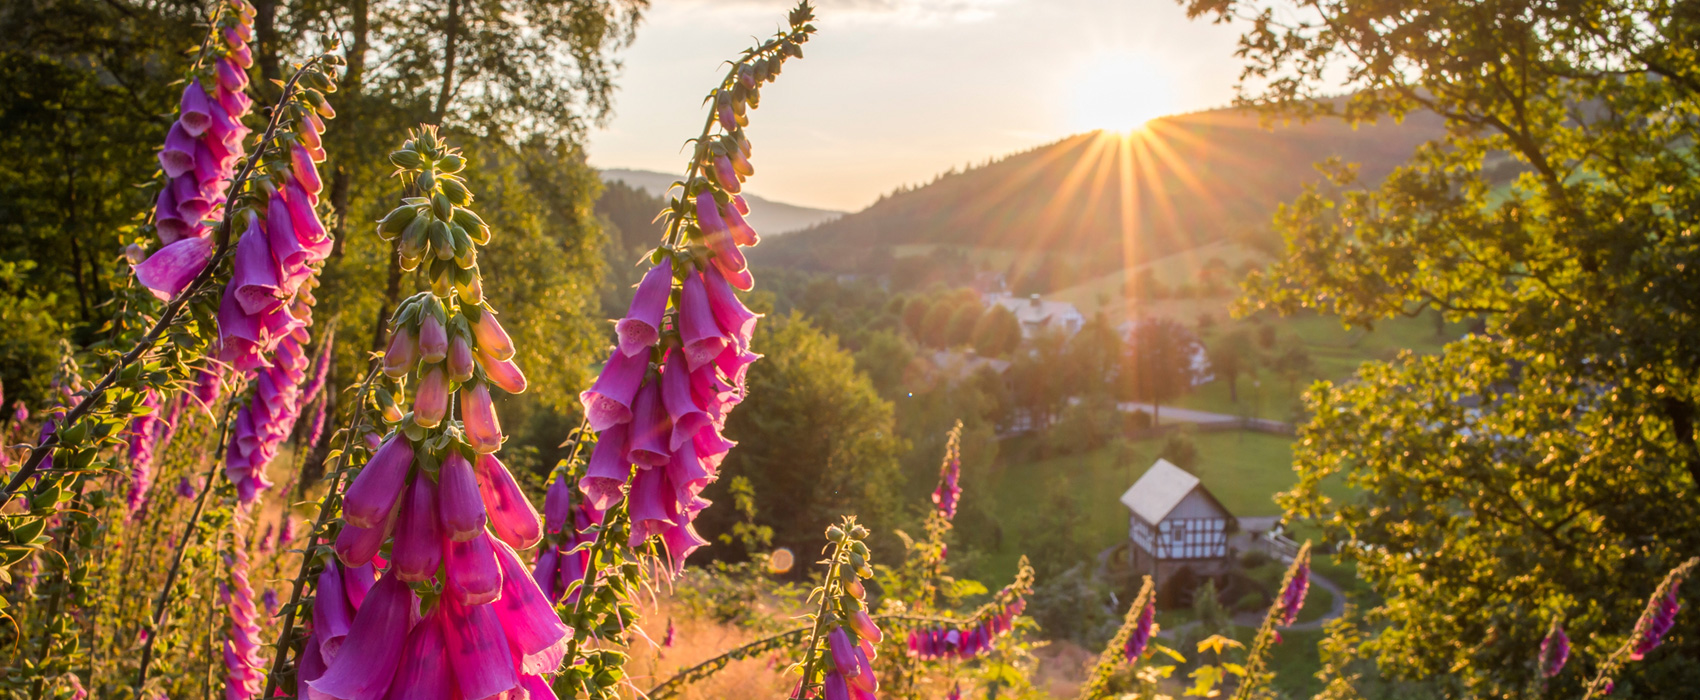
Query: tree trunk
(265, 31)
(1234, 388)
(391, 293)
(449, 36)
(352, 82)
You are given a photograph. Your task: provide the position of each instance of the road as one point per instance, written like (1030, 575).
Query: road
(1171, 415)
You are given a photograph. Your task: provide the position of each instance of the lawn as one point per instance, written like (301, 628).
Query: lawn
(1336, 352)
(1244, 470)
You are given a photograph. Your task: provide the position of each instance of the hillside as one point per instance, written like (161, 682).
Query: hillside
(1181, 183)
(770, 217)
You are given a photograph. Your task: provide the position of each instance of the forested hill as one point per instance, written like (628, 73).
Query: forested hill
(1191, 179)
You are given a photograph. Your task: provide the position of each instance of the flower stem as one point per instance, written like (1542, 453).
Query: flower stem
(826, 598)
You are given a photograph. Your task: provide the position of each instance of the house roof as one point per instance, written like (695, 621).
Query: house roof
(1157, 493)
(1035, 311)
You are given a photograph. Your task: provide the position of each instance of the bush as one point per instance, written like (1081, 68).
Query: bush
(1253, 558)
(1073, 606)
(1136, 421)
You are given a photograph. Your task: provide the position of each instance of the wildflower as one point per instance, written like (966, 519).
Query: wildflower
(367, 660)
(511, 515)
(169, 270)
(142, 437)
(1293, 596)
(641, 327)
(1658, 620)
(1555, 650)
(460, 507)
(608, 402)
(483, 430)
(244, 668)
(1141, 635)
(370, 498)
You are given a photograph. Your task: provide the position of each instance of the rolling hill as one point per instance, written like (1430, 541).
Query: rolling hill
(770, 217)
(1102, 203)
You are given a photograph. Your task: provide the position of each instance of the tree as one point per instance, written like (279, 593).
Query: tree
(1092, 359)
(1558, 208)
(996, 332)
(1231, 355)
(915, 313)
(1039, 389)
(1293, 364)
(962, 323)
(1159, 364)
(885, 357)
(815, 440)
(935, 326)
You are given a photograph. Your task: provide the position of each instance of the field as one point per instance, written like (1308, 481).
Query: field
(1242, 469)
(1336, 353)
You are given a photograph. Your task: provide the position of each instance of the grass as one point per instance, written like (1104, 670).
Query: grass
(1244, 470)
(1336, 352)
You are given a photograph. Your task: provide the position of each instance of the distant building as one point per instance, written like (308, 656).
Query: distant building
(1037, 315)
(1175, 524)
(956, 365)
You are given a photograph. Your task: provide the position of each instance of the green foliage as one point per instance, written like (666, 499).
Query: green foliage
(996, 333)
(815, 439)
(1510, 478)
(1159, 363)
(1234, 354)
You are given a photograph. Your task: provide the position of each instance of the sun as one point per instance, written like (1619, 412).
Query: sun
(1119, 92)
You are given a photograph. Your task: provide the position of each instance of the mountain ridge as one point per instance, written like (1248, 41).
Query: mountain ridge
(770, 217)
(1108, 202)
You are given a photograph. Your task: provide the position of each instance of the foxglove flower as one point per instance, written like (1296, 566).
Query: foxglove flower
(244, 668)
(641, 327)
(142, 436)
(949, 491)
(1293, 596)
(667, 419)
(1141, 635)
(493, 631)
(1555, 650)
(1657, 621)
(199, 158)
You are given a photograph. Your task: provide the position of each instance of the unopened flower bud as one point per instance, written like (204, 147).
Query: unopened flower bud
(442, 207)
(457, 193)
(451, 163)
(503, 373)
(402, 355)
(431, 402)
(438, 236)
(492, 338)
(834, 533)
(135, 254)
(864, 627)
(458, 501)
(460, 359)
(397, 221)
(468, 285)
(433, 339)
(725, 176)
(478, 415)
(387, 406)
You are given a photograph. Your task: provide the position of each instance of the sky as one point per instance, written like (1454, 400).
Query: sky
(894, 92)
